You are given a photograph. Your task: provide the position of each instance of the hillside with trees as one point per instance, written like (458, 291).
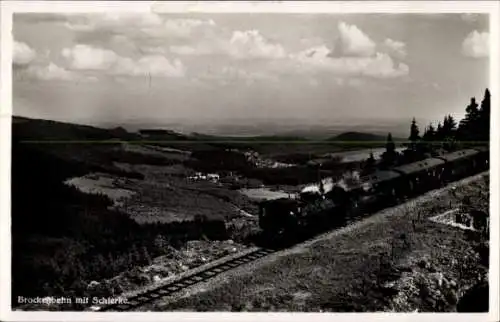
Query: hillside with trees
(62, 238)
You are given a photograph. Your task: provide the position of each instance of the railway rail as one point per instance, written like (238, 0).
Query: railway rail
(195, 277)
(199, 275)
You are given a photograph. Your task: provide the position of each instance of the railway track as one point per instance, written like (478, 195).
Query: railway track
(178, 285)
(198, 275)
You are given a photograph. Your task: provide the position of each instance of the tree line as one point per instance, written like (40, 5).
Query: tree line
(448, 135)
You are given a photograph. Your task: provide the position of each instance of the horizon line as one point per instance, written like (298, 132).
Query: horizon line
(305, 141)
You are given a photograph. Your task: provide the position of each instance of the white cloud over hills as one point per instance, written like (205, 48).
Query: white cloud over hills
(476, 44)
(354, 41)
(85, 57)
(23, 54)
(26, 66)
(152, 44)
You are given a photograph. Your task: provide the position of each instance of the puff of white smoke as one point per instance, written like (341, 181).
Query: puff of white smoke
(348, 180)
(314, 188)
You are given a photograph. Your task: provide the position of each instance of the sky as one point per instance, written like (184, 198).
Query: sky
(313, 68)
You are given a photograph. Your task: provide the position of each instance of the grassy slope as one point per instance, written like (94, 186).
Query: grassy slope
(345, 272)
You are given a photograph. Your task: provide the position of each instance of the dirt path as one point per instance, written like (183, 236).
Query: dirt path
(327, 263)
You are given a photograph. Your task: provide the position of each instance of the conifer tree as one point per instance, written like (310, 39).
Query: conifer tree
(369, 164)
(389, 156)
(414, 131)
(469, 124)
(390, 147)
(414, 135)
(439, 132)
(429, 133)
(484, 116)
(449, 127)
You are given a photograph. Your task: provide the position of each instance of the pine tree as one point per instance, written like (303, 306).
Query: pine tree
(414, 135)
(452, 123)
(439, 132)
(390, 147)
(429, 133)
(371, 160)
(484, 116)
(449, 131)
(389, 156)
(449, 127)
(428, 137)
(469, 124)
(369, 164)
(414, 131)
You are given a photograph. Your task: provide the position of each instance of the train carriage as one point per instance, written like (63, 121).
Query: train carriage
(370, 193)
(483, 157)
(420, 176)
(458, 164)
(379, 190)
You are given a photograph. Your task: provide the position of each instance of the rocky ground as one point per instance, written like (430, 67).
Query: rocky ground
(194, 254)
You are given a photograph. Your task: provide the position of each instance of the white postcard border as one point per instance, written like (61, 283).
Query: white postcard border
(10, 7)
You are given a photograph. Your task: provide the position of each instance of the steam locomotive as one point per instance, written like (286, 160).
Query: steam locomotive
(383, 188)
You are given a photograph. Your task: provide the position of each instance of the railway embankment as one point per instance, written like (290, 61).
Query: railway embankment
(397, 260)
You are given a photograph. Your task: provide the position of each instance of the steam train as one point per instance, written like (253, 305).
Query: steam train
(383, 188)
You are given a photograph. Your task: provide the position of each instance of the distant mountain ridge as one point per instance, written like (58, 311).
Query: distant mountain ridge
(360, 137)
(39, 129)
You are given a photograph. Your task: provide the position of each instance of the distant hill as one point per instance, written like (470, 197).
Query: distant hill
(37, 129)
(28, 129)
(357, 136)
(160, 134)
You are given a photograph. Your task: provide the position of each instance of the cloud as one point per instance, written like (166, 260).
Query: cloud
(23, 54)
(470, 17)
(123, 43)
(314, 54)
(85, 57)
(251, 44)
(476, 44)
(111, 20)
(395, 46)
(183, 28)
(192, 51)
(379, 65)
(149, 65)
(155, 50)
(247, 44)
(150, 24)
(52, 72)
(354, 41)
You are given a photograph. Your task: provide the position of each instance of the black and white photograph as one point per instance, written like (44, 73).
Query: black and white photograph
(203, 161)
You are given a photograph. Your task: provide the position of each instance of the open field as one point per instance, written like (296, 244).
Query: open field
(395, 260)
